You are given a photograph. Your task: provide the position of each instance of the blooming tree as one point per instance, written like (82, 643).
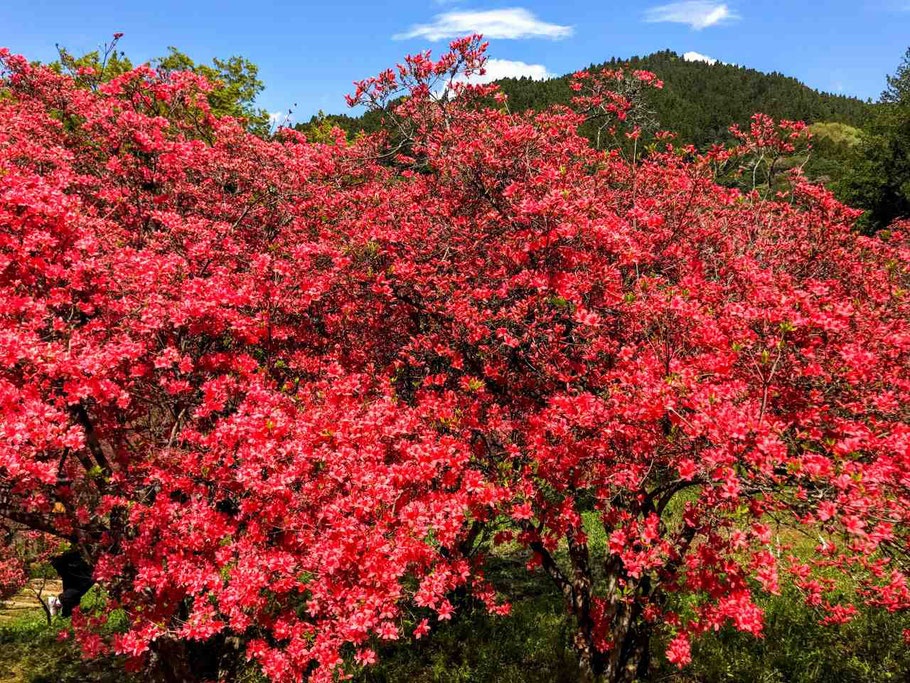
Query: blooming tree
(288, 394)
(24, 564)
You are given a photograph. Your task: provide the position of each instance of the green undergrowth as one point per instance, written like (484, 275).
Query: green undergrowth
(532, 645)
(31, 653)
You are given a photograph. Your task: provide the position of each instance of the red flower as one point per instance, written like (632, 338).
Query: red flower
(289, 388)
(679, 650)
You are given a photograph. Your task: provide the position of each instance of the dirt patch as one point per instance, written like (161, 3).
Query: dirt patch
(26, 600)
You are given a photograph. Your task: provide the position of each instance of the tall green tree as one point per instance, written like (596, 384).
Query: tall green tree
(878, 177)
(898, 90)
(236, 79)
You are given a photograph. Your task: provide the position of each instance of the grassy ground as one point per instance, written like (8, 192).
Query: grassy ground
(530, 646)
(26, 602)
(31, 653)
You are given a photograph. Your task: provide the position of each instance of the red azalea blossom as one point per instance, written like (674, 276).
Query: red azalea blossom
(278, 391)
(679, 650)
(422, 629)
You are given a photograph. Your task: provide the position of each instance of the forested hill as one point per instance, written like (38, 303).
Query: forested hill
(699, 101)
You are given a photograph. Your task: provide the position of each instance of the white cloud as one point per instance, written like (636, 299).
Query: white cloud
(698, 14)
(501, 68)
(699, 57)
(507, 68)
(515, 22)
(280, 118)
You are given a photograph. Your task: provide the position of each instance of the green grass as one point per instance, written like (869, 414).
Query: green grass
(31, 653)
(528, 646)
(532, 645)
(797, 649)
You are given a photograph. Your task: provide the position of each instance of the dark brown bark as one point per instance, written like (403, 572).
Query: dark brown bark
(91, 438)
(76, 575)
(629, 657)
(170, 663)
(180, 661)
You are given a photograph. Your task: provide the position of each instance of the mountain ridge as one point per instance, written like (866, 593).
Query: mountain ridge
(699, 101)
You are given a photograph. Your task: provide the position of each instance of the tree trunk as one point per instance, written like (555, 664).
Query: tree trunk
(76, 575)
(170, 663)
(179, 661)
(629, 658)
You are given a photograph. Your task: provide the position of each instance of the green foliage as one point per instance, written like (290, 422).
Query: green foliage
(236, 79)
(835, 135)
(320, 125)
(877, 178)
(898, 90)
(104, 65)
(700, 101)
(319, 129)
(833, 147)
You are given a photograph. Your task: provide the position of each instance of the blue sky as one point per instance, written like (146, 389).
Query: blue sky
(309, 52)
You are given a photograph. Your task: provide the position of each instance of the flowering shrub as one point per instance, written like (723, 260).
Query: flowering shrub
(12, 577)
(291, 393)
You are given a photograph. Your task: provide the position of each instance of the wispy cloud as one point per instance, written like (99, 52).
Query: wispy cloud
(511, 23)
(699, 57)
(698, 14)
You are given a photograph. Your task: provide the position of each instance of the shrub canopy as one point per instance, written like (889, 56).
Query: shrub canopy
(294, 392)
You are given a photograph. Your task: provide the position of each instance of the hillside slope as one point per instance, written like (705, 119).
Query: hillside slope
(699, 101)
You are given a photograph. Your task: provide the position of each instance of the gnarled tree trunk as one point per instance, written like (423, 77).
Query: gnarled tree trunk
(629, 657)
